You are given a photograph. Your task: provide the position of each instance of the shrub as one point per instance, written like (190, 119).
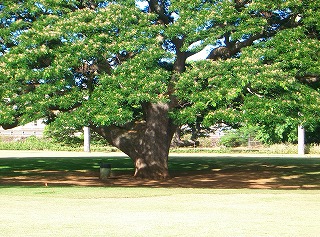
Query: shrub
(239, 137)
(233, 139)
(71, 136)
(67, 135)
(33, 143)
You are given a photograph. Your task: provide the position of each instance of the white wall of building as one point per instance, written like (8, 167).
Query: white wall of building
(35, 128)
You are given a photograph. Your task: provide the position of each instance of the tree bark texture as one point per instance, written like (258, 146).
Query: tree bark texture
(146, 142)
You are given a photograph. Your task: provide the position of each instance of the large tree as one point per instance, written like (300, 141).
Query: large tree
(123, 67)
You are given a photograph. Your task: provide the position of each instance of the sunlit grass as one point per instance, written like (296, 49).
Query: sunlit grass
(118, 211)
(74, 211)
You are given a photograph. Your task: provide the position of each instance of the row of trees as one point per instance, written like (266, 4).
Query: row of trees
(121, 68)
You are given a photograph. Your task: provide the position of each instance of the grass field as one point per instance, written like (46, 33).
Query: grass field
(97, 211)
(222, 196)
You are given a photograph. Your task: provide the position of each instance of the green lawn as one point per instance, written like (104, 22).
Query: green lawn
(97, 211)
(292, 208)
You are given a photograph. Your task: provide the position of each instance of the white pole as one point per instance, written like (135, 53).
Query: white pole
(86, 139)
(301, 135)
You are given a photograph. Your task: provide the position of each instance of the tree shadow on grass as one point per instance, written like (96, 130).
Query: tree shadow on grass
(188, 172)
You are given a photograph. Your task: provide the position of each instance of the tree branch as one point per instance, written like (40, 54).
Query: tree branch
(159, 9)
(233, 48)
(239, 4)
(11, 125)
(58, 108)
(309, 78)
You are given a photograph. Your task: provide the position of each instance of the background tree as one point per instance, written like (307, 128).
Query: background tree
(121, 68)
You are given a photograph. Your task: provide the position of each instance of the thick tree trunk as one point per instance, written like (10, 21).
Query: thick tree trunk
(151, 158)
(146, 142)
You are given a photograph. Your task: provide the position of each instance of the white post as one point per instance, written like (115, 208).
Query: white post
(86, 139)
(301, 135)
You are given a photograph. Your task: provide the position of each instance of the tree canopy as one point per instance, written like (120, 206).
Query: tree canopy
(124, 67)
